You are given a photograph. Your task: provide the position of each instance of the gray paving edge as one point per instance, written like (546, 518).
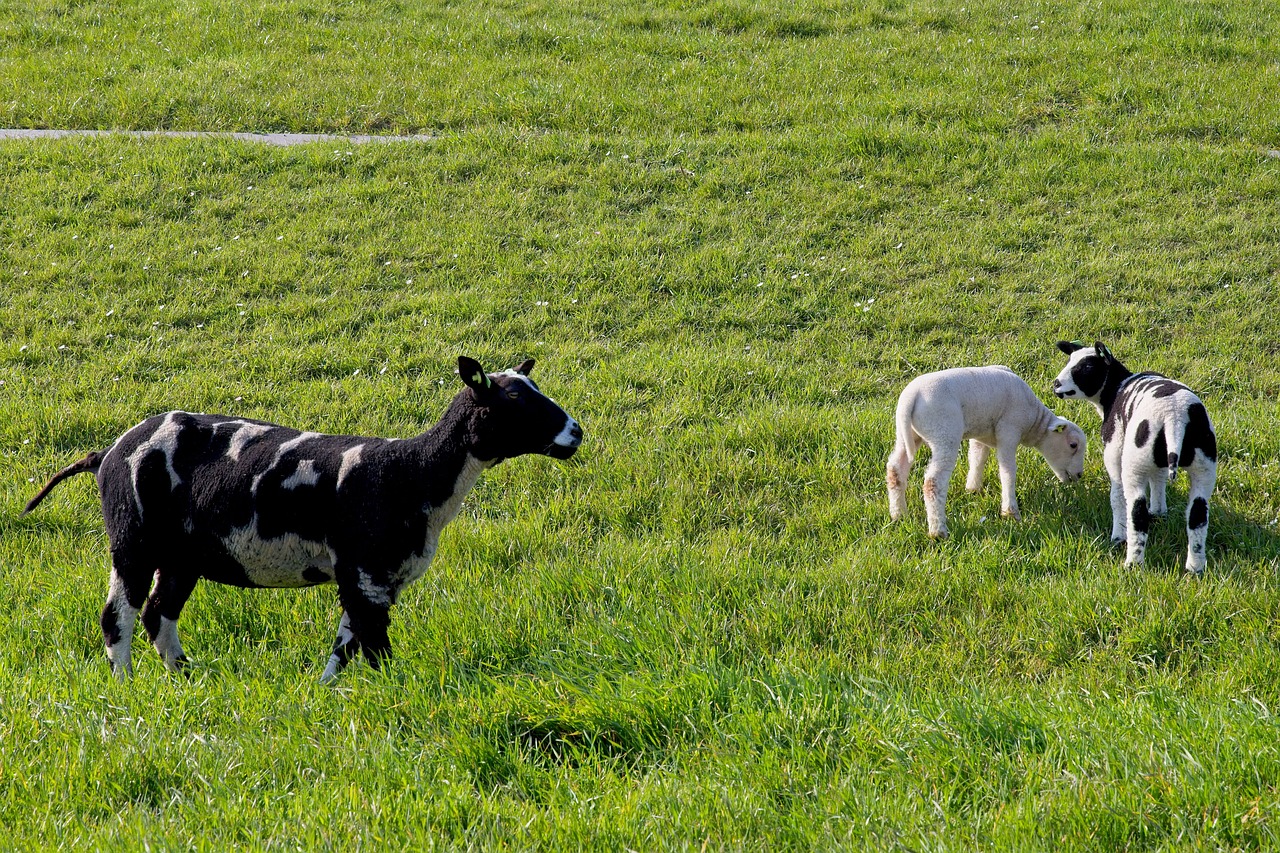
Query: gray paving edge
(266, 138)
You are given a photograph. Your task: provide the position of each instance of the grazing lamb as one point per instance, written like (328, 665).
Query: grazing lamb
(253, 504)
(991, 407)
(1137, 410)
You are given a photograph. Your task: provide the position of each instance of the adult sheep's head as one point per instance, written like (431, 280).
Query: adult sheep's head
(514, 417)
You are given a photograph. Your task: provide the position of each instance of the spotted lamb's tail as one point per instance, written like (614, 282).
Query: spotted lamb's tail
(88, 464)
(1174, 432)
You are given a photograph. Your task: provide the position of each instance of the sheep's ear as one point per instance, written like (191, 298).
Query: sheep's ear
(1103, 353)
(473, 374)
(525, 367)
(1061, 427)
(1069, 347)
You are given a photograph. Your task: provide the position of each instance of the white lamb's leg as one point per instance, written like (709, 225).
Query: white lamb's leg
(978, 455)
(898, 469)
(1007, 459)
(937, 478)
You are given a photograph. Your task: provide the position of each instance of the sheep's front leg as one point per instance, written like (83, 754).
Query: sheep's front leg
(1007, 459)
(1156, 491)
(978, 455)
(344, 648)
(1119, 507)
(365, 618)
(937, 478)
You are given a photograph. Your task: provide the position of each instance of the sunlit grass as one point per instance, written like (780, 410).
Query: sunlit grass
(729, 235)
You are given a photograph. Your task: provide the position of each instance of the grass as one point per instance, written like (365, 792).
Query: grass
(729, 234)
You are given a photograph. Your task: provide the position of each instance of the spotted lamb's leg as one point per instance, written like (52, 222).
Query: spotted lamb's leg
(1119, 507)
(160, 615)
(1202, 478)
(1138, 513)
(978, 455)
(1156, 491)
(125, 596)
(937, 479)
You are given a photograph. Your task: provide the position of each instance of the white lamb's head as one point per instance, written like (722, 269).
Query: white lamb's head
(1063, 447)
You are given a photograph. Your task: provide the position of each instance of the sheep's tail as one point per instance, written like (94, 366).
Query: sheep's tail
(1174, 432)
(90, 463)
(902, 421)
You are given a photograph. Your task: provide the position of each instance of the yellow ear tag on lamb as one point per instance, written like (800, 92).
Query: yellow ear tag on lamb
(1060, 428)
(481, 379)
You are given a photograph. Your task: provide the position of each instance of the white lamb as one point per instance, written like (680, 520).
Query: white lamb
(991, 407)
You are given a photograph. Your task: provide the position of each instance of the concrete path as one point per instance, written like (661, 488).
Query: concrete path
(268, 138)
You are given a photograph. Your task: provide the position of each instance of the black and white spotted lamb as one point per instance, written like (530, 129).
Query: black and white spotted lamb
(1151, 427)
(252, 504)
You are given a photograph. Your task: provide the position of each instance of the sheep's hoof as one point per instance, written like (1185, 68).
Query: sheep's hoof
(938, 535)
(1011, 513)
(1117, 544)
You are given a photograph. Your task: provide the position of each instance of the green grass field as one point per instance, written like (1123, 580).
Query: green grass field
(730, 233)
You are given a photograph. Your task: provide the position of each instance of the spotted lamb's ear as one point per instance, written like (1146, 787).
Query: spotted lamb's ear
(473, 374)
(524, 367)
(1105, 354)
(1069, 347)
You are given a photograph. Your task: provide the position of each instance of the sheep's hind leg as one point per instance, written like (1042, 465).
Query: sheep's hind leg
(1203, 477)
(937, 479)
(160, 615)
(896, 473)
(125, 596)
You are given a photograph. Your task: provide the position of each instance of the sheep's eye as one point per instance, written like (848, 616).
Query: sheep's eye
(1074, 445)
(513, 395)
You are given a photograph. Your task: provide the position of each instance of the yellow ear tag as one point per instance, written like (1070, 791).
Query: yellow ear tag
(481, 379)
(1060, 428)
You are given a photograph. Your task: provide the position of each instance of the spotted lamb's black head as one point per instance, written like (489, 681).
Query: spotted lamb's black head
(512, 417)
(1086, 372)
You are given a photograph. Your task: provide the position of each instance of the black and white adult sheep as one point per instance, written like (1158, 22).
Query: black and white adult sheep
(252, 504)
(1151, 426)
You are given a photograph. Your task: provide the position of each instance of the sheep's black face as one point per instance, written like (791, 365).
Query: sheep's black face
(516, 418)
(1085, 373)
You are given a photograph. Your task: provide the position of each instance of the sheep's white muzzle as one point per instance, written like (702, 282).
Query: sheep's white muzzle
(566, 443)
